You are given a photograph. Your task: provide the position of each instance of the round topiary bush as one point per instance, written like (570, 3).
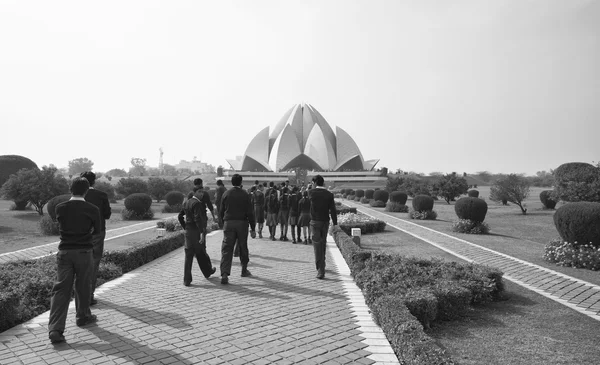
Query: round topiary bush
(11, 164)
(359, 193)
(138, 203)
(49, 226)
(398, 197)
(174, 198)
(547, 200)
(471, 208)
(579, 222)
(473, 193)
(396, 207)
(52, 203)
(381, 195)
(369, 193)
(343, 191)
(577, 181)
(422, 203)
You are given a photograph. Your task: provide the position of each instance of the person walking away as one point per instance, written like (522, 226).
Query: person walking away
(100, 200)
(293, 219)
(272, 210)
(236, 213)
(78, 221)
(304, 219)
(284, 212)
(259, 208)
(192, 218)
(218, 196)
(322, 205)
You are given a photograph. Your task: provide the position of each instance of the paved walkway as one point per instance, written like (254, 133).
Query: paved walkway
(51, 248)
(281, 315)
(577, 294)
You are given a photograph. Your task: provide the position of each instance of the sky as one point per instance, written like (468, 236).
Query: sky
(504, 86)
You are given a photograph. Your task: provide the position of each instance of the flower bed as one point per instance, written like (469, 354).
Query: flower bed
(358, 220)
(406, 294)
(567, 254)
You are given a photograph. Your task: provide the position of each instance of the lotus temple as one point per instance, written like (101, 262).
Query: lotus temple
(303, 143)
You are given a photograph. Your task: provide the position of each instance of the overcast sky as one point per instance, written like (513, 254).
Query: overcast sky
(423, 85)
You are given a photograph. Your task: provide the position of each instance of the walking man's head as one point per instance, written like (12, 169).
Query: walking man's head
(271, 184)
(319, 180)
(236, 180)
(89, 176)
(198, 181)
(219, 182)
(79, 186)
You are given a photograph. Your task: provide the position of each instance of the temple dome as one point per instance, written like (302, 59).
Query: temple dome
(302, 138)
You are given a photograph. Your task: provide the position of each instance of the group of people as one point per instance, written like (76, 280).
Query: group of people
(82, 227)
(240, 211)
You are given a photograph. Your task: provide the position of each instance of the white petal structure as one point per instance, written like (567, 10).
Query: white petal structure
(302, 138)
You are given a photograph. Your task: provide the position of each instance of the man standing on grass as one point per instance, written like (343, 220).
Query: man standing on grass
(100, 200)
(236, 212)
(322, 205)
(78, 221)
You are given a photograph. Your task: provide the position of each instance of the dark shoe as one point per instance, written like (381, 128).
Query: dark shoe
(224, 279)
(87, 320)
(186, 283)
(293, 240)
(246, 273)
(214, 270)
(260, 235)
(93, 301)
(321, 274)
(56, 337)
(310, 241)
(273, 238)
(305, 241)
(281, 238)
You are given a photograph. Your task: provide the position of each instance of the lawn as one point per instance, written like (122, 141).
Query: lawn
(525, 328)
(512, 233)
(20, 229)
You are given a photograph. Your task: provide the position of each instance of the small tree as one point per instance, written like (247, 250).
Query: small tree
(138, 167)
(219, 171)
(128, 186)
(36, 186)
(158, 187)
(512, 188)
(79, 165)
(116, 173)
(450, 187)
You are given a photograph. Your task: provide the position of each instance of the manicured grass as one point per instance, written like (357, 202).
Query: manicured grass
(526, 328)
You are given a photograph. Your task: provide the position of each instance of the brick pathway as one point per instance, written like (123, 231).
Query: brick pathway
(51, 248)
(281, 315)
(577, 294)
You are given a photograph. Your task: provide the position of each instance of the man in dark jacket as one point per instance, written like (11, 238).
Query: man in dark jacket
(236, 212)
(78, 221)
(218, 197)
(99, 199)
(322, 205)
(193, 219)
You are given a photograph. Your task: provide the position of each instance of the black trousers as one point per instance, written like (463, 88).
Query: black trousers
(234, 231)
(98, 250)
(319, 238)
(73, 266)
(194, 247)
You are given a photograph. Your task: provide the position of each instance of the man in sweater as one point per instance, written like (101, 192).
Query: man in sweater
(218, 197)
(236, 212)
(78, 221)
(100, 200)
(322, 205)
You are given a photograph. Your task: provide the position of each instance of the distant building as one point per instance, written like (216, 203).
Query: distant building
(194, 165)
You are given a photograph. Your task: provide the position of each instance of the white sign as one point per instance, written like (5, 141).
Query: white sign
(355, 232)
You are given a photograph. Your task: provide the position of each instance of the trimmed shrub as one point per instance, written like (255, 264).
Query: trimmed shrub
(365, 200)
(105, 187)
(470, 226)
(19, 205)
(344, 210)
(422, 215)
(577, 181)
(377, 203)
(357, 199)
(132, 185)
(473, 193)
(343, 191)
(399, 197)
(471, 208)
(422, 203)
(11, 164)
(547, 199)
(381, 195)
(48, 226)
(350, 197)
(369, 193)
(174, 197)
(132, 215)
(171, 208)
(138, 202)
(170, 225)
(359, 193)
(357, 220)
(567, 254)
(52, 203)
(579, 223)
(396, 207)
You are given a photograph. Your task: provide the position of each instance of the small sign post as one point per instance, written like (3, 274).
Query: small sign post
(160, 232)
(356, 236)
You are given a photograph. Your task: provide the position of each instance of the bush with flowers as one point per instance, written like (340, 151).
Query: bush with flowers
(563, 253)
(357, 220)
(470, 226)
(422, 214)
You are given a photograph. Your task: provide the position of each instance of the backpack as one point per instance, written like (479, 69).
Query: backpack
(284, 204)
(273, 201)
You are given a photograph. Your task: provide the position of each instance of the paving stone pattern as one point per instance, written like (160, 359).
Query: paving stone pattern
(574, 293)
(281, 315)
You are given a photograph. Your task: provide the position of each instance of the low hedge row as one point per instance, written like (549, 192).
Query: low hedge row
(25, 286)
(406, 294)
(358, 220)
